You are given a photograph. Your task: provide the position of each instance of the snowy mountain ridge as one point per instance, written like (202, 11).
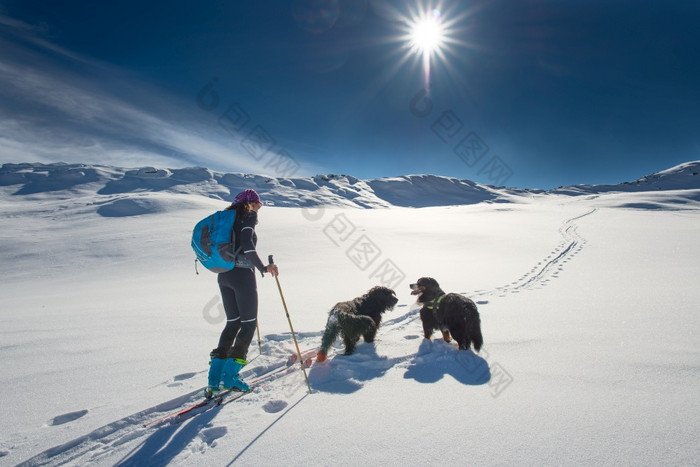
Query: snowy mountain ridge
(66, 180)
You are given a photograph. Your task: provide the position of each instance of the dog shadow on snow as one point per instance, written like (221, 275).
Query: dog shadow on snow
(346, 374)
(435, 359)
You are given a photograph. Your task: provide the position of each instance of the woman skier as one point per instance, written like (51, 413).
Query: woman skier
(240, 297)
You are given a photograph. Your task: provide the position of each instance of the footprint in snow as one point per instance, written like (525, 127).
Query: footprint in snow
(210, 435)
(184, 376)
(274, 406)
(482, 302)
(410, 337)
(67, 417)
(4, 453)
(181, 377)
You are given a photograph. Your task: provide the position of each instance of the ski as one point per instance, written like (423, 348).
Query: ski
(230, 395)
(206, 405)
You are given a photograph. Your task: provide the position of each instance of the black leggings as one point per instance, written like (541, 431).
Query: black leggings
(239, 293)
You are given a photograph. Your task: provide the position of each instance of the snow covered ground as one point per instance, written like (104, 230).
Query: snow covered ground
(588, 300)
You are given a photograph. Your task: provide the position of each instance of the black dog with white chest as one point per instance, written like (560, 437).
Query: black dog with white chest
(453, 314)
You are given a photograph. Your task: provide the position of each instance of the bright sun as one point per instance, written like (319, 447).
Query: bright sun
(430, 35)
(427, 34)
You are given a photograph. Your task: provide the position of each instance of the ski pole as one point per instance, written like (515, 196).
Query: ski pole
(296, 344)
(257, 327)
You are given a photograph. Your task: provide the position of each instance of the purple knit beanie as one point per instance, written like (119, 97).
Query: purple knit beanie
(247, 196)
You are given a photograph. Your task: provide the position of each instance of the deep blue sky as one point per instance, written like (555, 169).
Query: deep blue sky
(560, 91)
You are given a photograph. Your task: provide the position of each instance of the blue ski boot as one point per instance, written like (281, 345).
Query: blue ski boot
(216, 367)
(230, 376)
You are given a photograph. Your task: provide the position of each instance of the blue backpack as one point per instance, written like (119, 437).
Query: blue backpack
(214, 241)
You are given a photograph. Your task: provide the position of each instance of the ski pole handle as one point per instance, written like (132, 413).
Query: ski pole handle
(270, 260)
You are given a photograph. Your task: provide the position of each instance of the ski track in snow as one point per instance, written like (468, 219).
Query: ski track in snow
(539, 276)
(158, 445)
(128, 442)
(550, 267)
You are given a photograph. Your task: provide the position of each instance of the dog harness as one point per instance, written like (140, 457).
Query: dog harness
(433, 304)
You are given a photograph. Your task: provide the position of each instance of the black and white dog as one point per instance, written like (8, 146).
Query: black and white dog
(356, 318)
(453, 314)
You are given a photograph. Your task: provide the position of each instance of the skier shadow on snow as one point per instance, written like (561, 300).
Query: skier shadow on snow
(167, 443)
(435, 359)
(346, 374)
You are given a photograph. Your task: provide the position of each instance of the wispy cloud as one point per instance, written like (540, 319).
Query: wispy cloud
(57, 105)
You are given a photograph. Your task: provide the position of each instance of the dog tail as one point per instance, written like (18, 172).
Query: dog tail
(475, 334)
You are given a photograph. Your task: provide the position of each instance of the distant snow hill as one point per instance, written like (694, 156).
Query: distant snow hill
(69, 180)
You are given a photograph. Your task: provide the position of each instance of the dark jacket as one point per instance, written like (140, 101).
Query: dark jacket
(246, 240)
